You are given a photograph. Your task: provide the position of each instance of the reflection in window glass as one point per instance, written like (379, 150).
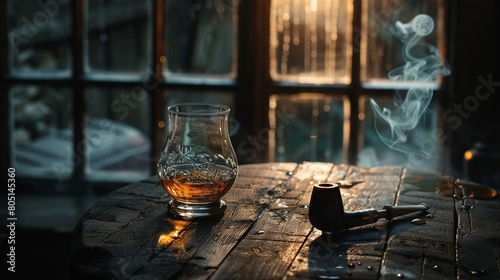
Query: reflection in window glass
(118, 146)
(414, 142)
(308, 127)
(39, 37)
(311, 41)
(42, 135)
(200, 38)
(119, 35)
(382, 38)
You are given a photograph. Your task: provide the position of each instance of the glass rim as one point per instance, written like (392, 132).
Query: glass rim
(201, 109)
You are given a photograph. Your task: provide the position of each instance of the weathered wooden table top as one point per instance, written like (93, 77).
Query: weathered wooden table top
(265, 232)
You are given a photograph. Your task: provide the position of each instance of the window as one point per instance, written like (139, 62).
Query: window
(382, 61)
(86, 83)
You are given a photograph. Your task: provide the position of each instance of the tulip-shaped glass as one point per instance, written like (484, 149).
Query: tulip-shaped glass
(197, 165)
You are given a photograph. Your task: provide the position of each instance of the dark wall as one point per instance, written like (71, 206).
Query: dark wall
(473, 113)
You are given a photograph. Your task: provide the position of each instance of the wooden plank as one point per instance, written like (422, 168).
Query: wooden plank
(312, 172)
(260, 183)
(139, 213)
(370, 194)
(281, 226)
(116, 225)
(150, 190)
(339, 256)
(252, 190)
(425, 251)
(375, 174)
(265, 232)
(339, 172)
(275, 171)
(204, 244)
(377, 192)
(478, 238)
(258, 259)
(284, 224)
(164, 252)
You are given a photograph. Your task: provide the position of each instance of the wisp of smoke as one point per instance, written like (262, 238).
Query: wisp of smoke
(418, 70)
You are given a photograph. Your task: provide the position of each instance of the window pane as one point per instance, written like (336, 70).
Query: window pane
(412, 142)
(391, 39)
(200, 38)
(119, 35)
(308, 127)
(117, 134)
(43, 132)
(311, 41)
(39, 37)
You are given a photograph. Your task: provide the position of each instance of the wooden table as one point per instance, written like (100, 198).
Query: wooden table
(265, 232)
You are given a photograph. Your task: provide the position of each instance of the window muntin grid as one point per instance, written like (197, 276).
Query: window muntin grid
(194, 74)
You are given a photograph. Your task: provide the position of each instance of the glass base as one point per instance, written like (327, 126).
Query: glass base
(192, 211)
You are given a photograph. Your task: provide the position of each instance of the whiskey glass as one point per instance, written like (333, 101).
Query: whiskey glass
(197, 164)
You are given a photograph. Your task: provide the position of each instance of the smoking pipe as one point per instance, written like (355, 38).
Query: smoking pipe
(326, 210)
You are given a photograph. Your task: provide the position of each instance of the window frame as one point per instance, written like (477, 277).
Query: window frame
(252, 85)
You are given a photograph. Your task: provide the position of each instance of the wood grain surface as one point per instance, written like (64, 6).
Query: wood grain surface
(265, 233)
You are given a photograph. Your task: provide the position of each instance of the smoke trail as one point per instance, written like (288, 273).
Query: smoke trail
(419, 70)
